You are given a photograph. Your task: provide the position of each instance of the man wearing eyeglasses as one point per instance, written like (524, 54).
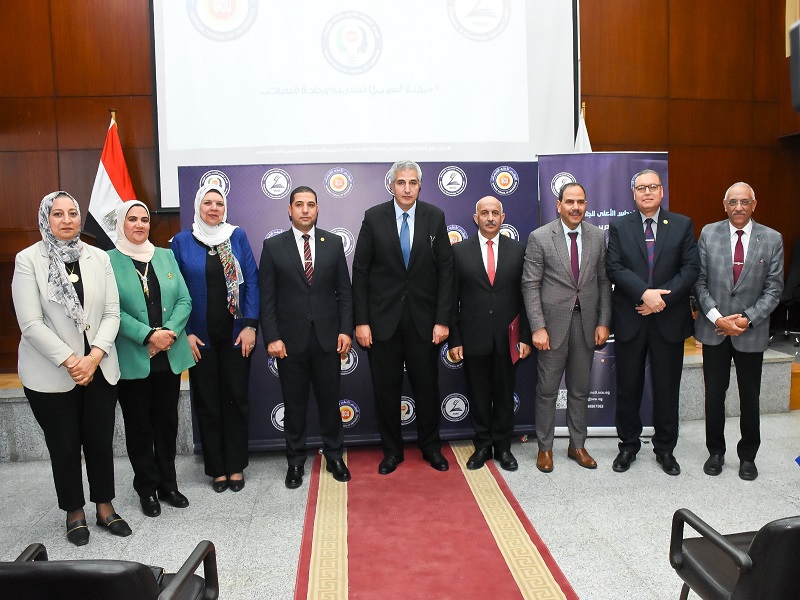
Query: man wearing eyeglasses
(652, 261)
(740, 284)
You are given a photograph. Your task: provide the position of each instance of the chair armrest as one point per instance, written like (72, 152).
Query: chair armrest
(205, 553)
(34, 552)
(683, 515)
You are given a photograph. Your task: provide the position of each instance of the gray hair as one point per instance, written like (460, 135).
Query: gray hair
(402, 165)
(747, 185)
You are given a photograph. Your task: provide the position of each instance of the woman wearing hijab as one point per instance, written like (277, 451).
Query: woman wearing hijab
(153, 352)
(218, 265)
(66, 302)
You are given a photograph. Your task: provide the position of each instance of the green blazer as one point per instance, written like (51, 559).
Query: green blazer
(134, 357)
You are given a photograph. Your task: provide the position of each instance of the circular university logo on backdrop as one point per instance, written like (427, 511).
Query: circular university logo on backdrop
(272, 365)
(349, 362)
(504, 180)
(277, 417)
(447, 358)
(348, 240)
(338, 182)
(408, 410)
(456, 233)
(516, 402)
(276, 184)
(509, 231)
(455, 407)
(222, 20)
(479, 20)
(352, 42)
(217, 178)
(560, 180)
(350, 412)
(452, 181)
(273, 233)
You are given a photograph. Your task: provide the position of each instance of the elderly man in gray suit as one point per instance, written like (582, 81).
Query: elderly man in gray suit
(740, 284)
(568, 300)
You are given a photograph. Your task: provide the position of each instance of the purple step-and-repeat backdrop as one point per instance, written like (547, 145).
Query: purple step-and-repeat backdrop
(258, 201)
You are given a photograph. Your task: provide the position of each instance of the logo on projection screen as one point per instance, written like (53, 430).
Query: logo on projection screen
(455, 407)
(350, 412)
(348, 239)
(452, 181)
(479, 21)
(276, 184)
(504, 180)
(338, 182)
(456, 233)
(352, 42)
(222, 20)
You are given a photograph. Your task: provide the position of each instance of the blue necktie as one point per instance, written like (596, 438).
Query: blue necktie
(405, 239)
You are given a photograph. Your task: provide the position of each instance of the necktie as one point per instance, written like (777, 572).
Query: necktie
(490, 260)
(738, 257)
(405, 239)
(307, 262)
(650, 240)
(573, 255)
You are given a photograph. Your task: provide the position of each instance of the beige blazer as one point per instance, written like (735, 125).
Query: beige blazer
(49, 336)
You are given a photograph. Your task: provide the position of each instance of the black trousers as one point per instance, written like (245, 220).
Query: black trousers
(298, 373)
(219, 383)
(666, 368)
(150, 411)
(386, 361)
(717, 377)
(491, 380)
(82, 418)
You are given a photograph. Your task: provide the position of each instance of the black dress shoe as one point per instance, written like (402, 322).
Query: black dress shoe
(713, 465)
(150, 506)
(219, 486)
(175, 499)
(236, 485)
(78, 532)
(669, 464)
(623, 461)
(114, 524)
(294, 476)
(506, 460)
(339, 470)
(479, 458)
(747, 470)
(437, 461)
(389, 464)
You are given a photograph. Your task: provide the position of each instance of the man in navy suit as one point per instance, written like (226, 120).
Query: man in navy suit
(488, 299)
(307, 322)
(740, 284)
(402, 295)
(653, 263)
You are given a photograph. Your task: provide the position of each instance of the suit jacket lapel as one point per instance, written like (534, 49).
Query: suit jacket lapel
(421, 240)
(662, 231)
(560, 245)
(635, 221)
(391, 232)
(724, 239)
(477, 257)
(753, 252)
(85, 261)
(290, 244)
(587, 253)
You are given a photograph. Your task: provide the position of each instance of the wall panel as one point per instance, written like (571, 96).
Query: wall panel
(26, 50)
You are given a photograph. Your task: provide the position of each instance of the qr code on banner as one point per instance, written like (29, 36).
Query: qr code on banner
(561, 400)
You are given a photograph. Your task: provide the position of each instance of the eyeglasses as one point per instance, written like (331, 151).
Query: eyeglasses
(732, 203)
(653, 187)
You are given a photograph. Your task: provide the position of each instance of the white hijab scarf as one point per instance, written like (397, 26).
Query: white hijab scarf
(59, 288)
(208, 234)
(142, 252)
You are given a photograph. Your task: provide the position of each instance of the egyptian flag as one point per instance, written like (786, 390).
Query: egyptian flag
(112, 186)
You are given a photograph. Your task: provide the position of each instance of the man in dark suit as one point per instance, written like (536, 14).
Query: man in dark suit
(568, 299)
(653, 263)
(307, 321)
(488, 299)
(403, 294)
(740, 284)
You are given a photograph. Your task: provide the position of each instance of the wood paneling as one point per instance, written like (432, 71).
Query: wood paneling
(26, 50)
(788, 120)
(711, 49)
(769, 46)
(27, 124)
(83, 122)
(710, 123)
(624, 48)
(25, 178)
(102, 47)
(633, 121)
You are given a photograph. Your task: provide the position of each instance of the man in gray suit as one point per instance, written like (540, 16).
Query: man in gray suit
(568, 300)
(740, 284)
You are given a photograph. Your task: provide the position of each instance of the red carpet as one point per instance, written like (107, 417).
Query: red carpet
(420, 533)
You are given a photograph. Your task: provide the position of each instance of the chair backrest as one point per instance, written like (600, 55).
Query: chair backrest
(775, 552)
(72, 579)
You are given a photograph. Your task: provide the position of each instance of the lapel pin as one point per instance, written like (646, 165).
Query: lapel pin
(321, 239)
(666, 221)
(169, 275)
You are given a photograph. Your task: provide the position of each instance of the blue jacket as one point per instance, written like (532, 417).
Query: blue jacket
(191, 258)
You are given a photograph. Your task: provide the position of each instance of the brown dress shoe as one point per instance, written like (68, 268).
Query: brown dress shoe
(582, 457)
(544, 461)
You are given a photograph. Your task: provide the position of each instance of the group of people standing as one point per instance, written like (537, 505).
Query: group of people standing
(97, 327)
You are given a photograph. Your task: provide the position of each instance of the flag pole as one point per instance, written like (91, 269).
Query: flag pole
(113, 112)
(583, 110)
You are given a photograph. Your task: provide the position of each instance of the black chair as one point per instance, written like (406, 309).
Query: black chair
(32, 577)
(757, 565)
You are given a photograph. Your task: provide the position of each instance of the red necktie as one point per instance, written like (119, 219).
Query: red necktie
(490, 261)
(738, 257)
(573, 255)
(308, 263)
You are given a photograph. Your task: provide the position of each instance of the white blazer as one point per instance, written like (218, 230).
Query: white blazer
(49, 336)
